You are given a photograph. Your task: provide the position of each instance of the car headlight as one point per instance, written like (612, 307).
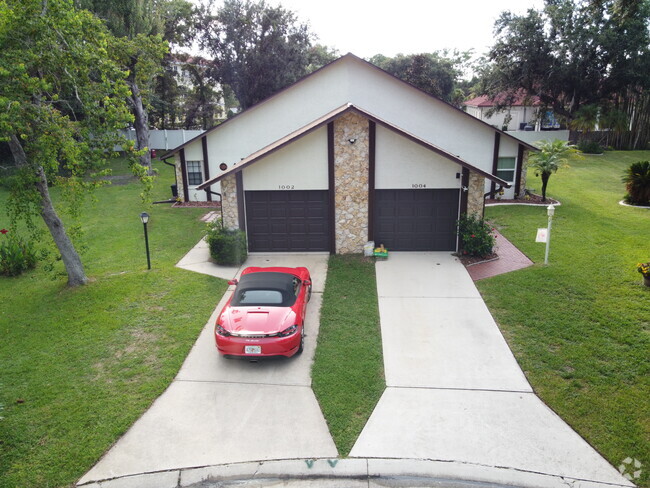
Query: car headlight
(221, 331)
(288, 331)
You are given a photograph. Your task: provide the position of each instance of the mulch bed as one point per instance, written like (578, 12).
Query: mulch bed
(470, 260)
(533, 200)
(197, 204)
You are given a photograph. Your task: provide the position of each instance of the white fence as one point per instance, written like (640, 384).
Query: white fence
(533, 136)
(164, 139)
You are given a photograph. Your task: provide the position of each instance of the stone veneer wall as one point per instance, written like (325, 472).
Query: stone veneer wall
(475, 194)
(179, 180)
(351, 182)
(229, 202)
(524, 174)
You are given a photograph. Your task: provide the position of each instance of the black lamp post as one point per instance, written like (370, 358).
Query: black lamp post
(144, 217)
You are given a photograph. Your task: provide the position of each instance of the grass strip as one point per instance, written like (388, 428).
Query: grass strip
(348, 372)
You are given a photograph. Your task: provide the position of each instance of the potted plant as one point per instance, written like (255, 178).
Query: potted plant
(644, 269)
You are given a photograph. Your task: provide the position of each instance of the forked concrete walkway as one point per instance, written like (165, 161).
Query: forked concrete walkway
(457, 412)
(455, 392)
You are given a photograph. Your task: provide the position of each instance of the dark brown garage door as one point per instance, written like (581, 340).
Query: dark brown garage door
(416, 220)
(288, 221)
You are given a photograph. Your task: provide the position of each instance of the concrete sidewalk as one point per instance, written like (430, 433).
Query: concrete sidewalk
(455, 392)
(219, 411)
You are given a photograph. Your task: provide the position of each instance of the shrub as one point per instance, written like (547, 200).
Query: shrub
(637, 183)
(590, 147)
(16, 255)
(476, 236)
(227, 247)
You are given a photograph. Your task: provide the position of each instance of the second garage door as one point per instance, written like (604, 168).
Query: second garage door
(287, 221)
(416, 220)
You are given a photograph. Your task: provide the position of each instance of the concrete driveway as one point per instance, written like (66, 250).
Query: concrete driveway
(219, 411)
(455, 393)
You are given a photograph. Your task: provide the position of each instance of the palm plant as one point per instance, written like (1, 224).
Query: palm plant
(552, 156)
(585, 119)
(637, 183)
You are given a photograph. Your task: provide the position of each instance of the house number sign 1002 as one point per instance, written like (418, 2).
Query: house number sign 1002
(286, 187)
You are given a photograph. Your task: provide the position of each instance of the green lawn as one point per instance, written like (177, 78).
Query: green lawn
(348, 372)
(79, 366)
(580, 326)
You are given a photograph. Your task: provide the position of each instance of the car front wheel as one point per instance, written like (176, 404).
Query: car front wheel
(302, 343)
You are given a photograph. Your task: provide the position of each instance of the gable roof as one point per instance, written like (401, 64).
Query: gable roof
(342, 59)
(329, 117)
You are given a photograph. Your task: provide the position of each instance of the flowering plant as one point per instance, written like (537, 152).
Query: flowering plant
(476, 235)
(644, 269)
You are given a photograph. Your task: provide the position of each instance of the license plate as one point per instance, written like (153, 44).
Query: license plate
(253, 349)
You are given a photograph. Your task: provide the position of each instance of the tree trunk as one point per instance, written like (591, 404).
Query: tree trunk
(545, 177)
(71, 259)
(141, 125)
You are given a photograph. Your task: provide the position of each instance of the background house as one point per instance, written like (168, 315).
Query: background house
(350, 154)
(522, 114)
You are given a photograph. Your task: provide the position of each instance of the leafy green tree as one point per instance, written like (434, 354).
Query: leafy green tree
(139, 26)
(257, 49)
(434, 73)
(571, 53)
(201, 107)
(62, 100)
(552, 156)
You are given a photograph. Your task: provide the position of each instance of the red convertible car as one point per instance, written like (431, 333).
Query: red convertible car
(265, 315)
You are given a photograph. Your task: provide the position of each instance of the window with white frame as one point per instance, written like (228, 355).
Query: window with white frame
(194, 174)
(506, 169)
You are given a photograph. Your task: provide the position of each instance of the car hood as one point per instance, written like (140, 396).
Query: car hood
(256, 320)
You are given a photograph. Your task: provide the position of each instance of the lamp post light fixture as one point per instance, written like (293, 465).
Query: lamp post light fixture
(144, 217)
(550, 210)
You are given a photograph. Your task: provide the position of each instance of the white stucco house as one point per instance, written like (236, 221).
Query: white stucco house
(350, 154)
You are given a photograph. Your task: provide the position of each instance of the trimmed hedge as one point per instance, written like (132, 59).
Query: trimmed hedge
(227, 247)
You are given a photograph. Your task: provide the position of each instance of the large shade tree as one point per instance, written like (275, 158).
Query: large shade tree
(61, 103)
(143, 28)
(572, 54)
(257, 49)
(435, 73)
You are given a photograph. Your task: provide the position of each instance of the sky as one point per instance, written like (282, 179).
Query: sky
(369, 27)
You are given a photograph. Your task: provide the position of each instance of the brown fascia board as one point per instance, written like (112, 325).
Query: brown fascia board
(348, 55)
(433, 147)
(312, 126)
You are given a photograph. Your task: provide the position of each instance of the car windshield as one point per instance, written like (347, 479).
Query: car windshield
(260, 297)
(270, 289)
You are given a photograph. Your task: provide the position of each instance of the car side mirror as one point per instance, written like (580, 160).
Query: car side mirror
(307, 282)
(233, 281)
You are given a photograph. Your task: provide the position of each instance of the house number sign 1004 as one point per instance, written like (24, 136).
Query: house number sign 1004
(418, 185)
(286, 187)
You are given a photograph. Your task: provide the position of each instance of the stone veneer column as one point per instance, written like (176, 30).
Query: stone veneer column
(475, 200)
(179, 179)
(351, 182)
(524, 174)
(229, 202)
